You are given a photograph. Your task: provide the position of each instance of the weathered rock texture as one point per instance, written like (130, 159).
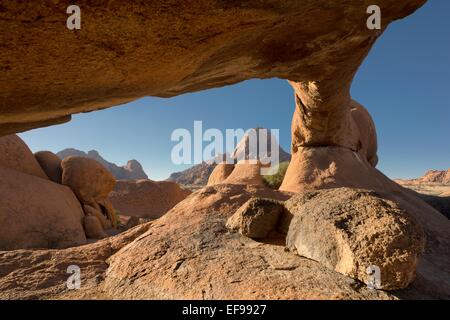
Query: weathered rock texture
(160, 48)
(330, 167)
(146, 198)
(102, 218)
(51, 164)
(93, 227)
(90, 181)
(40, 274)
(257, 218)
(131, 171)
(37, 213)
(15, 154)
(351, 230)
(188, 253)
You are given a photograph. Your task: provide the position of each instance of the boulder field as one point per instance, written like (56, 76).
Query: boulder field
(49, 203)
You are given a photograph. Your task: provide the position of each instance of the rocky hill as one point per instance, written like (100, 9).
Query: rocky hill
(436, 176)
(430, 177)
(131, 171)
(196, 176)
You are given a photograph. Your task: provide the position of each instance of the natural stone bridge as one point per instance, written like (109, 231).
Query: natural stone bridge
(128, 50)
(125, 51)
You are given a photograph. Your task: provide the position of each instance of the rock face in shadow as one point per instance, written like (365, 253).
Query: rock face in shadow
(146, 198)
(37, 213)
(151, 49)
(440, 203)
(15, 154)
(352, 230)
(51, 164)
(131, 171)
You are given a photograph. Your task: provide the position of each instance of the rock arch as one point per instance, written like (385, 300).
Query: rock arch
(165, 49)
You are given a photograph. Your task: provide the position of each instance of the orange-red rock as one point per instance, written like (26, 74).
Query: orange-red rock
(162, 48)
(51, 164)
(15, 154)
(146, 198)
(37, 213)
(220, 173)
(351, 230)
(90, 181)
(245, 172)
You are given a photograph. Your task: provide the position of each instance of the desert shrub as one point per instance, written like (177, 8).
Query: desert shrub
(274, 181)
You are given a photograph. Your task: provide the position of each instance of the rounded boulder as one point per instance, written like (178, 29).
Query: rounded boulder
(352, 231)
(51, 164)
(88, 179)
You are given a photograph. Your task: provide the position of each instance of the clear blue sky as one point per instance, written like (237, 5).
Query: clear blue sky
(404, 83)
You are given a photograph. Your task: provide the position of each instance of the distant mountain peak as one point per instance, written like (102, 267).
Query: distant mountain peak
(198, 175)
